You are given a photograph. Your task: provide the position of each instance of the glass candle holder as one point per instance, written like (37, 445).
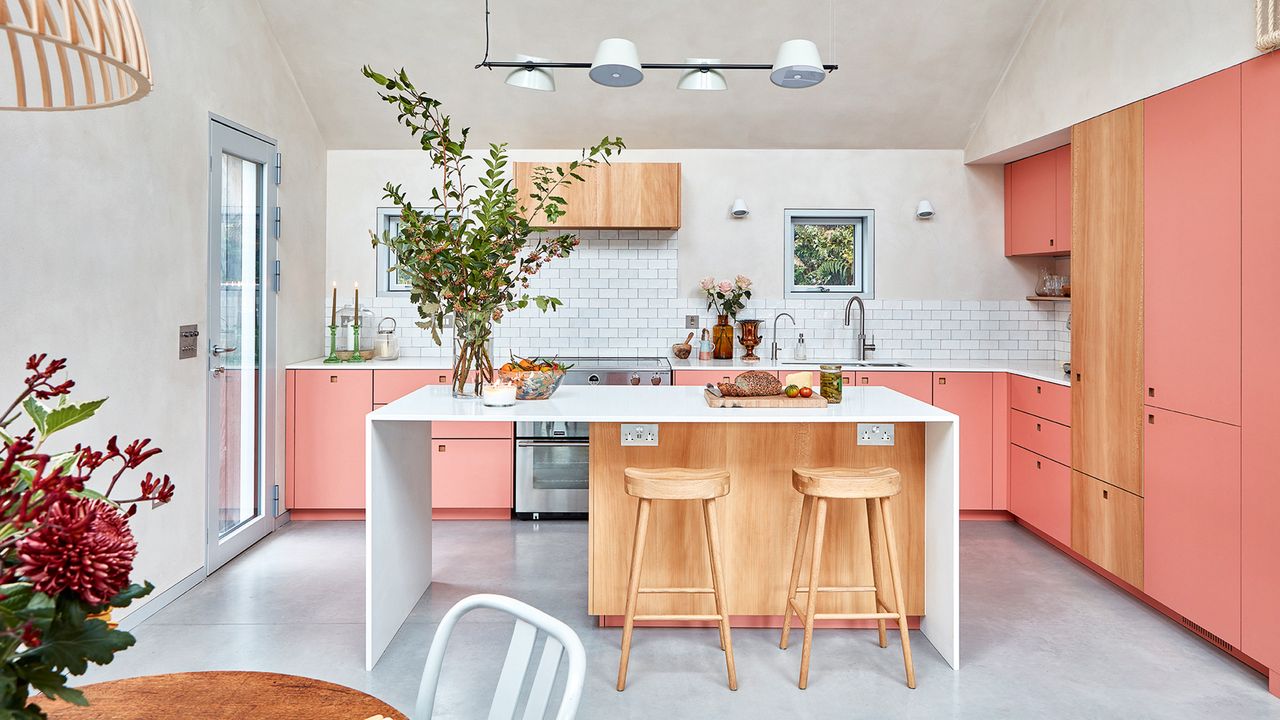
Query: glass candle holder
(333, 345)
(356, 357)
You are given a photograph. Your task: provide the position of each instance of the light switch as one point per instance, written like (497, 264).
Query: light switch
(187, 337)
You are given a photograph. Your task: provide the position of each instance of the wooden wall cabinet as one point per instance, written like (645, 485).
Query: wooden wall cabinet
(1191, 251)
(1191, 519)
(617, 196)
(969, 395)
(328, 441)
(1106, 527)
(1038, 204)
(1106, 340)
(1260, 409)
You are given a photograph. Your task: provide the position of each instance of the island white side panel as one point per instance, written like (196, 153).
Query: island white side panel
(397, 528)
(941, 621)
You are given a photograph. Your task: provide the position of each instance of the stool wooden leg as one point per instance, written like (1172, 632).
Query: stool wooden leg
(811, 606)
(796, 563)
(877, 577)
(900, 607)
(717, 584)
(633, 588)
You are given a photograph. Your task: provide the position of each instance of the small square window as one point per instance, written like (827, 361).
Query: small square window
(830, 252)
(390, 281)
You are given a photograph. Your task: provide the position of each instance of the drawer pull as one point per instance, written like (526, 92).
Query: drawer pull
(333, 378)
(866, 381)
(1151, 419)
(442, 380)
(1037, 464)
(942, 381)
(1105, 495)
(1151, 392)
(1037, 427)
(440, 448)
(1037, 389)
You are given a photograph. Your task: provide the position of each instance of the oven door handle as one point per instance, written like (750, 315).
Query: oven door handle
(550, 442)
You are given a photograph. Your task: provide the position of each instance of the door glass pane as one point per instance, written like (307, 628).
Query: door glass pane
(240, 303)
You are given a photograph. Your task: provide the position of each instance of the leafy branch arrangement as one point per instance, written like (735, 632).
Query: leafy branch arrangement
(66, 552)
(473, 251)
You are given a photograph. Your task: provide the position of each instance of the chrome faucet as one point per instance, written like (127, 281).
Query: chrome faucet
(773, 351)
(862, 345)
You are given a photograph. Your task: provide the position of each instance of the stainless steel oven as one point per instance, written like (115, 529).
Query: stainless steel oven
(552, 458)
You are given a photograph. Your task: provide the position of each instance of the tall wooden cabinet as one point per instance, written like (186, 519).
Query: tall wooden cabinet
(621, 195)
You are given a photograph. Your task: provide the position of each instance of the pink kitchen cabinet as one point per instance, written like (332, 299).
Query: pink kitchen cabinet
(969, 395)
(1040, 493)
(472, 474)
(918, 385)
(1191, 264)
(1191, 508)
(329, 408)
(1033, 202)
(1040, 436)
(1061, 240)
(1050, 401)
(1260, 409)
(391, 385)
(702, 377)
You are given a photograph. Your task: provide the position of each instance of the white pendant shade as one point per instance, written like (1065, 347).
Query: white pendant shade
(71, 55)
(798, 65)
(532, 78)
(617, 63)
(702, 79)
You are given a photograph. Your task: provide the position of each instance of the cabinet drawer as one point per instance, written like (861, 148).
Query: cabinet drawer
(1050, 401)
(391, 385)
(918, 385)
(472, 473)
(1040, 436)
(702, 377)
(1040, 493)
(1106, 527)
(466, 429)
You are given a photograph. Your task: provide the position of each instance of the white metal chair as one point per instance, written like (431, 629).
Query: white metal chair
(560, 639)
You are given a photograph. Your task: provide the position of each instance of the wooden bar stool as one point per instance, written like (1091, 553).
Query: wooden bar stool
(677, 484)
(876, 486)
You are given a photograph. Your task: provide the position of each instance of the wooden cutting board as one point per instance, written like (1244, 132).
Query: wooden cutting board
(765, 401)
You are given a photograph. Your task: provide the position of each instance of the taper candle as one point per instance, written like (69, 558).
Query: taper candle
(333, 310)
(356, 320)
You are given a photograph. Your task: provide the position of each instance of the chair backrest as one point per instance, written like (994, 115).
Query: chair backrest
(560, 639)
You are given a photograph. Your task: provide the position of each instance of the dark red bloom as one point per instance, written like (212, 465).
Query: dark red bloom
(39, 381)
(82, 546)
(31, 635)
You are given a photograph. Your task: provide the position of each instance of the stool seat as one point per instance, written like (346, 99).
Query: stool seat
(847, 483)
(676, 483)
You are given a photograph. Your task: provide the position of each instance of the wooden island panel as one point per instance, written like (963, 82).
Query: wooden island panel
(758, 519)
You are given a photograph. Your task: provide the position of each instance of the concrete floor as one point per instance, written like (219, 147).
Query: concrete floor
(1042, 637)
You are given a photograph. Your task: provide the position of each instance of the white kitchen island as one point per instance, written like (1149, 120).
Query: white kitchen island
(398, 483)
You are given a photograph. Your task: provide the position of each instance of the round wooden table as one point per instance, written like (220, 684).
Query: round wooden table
(221, 696)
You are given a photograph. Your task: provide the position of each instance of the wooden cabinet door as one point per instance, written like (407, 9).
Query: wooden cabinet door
(969, 396)
(329, 407)
(1061, 241)
(1040, 493)
(1033, 197)
(640, 195)
(1191, 519)
(1191, 252)
(472, 474)
(1106, 335)
(581, 205)
(918, 385)
(1106, 527)
(1260, 410)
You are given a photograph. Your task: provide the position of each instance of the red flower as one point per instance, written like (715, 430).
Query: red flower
(82, 546)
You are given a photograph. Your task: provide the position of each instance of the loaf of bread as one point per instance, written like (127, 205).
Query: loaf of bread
(752, 383)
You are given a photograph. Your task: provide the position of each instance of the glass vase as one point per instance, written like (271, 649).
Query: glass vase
(722, 339)
(472, 354)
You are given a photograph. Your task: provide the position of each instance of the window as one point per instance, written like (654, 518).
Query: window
(389, 280)
(830, 252)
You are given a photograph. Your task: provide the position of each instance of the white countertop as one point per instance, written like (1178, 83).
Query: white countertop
(580, 403)
(1045, 370)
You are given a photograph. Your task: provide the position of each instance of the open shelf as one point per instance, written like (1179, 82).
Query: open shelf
(1046, 298)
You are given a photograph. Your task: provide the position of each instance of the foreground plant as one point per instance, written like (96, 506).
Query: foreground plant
(66, 551)
(472, 251)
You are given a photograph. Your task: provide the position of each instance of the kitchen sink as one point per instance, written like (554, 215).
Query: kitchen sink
(849, 363)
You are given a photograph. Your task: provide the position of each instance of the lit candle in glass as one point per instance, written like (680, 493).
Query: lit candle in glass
(499, 394)
(333, 310)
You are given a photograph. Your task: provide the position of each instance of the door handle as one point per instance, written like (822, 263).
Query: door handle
(218, 371)
(219, 350)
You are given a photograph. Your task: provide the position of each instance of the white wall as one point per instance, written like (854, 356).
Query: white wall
(103, 227)
(1081, 58)
(958, 255)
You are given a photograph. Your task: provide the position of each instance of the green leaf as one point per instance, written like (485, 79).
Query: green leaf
(50, 682)
(131, 593)
(38, 413)
(73, 645)
(69, 415)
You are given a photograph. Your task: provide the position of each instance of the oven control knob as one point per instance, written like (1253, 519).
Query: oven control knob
(635, 378)
(655, 379)
(593, 379)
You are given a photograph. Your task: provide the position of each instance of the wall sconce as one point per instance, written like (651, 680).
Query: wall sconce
(924, 210)
(739, 209)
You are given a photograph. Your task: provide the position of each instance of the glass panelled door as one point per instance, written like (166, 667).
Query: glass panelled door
(241, 374)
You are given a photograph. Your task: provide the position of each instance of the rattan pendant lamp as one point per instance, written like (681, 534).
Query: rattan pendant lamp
(71, 55)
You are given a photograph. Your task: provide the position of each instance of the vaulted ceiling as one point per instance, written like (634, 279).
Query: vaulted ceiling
(913, 73)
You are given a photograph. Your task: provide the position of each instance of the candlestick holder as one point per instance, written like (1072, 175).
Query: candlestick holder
(356, 357)
(333, 345)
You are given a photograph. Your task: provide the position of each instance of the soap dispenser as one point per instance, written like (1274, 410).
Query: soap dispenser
(800, 352)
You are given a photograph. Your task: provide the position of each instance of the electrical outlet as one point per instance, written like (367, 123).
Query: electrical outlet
(691, 322)
(875, 433)
(645, 434)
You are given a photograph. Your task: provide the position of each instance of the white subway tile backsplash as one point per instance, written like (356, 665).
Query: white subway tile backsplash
(622, 298)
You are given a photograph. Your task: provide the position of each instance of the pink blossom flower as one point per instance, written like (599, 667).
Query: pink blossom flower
(743, 282)
(707, 283)
(725, 286)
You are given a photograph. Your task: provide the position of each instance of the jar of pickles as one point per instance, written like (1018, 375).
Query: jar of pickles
(831, 383)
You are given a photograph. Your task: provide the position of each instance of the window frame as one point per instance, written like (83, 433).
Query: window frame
(864, 249)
